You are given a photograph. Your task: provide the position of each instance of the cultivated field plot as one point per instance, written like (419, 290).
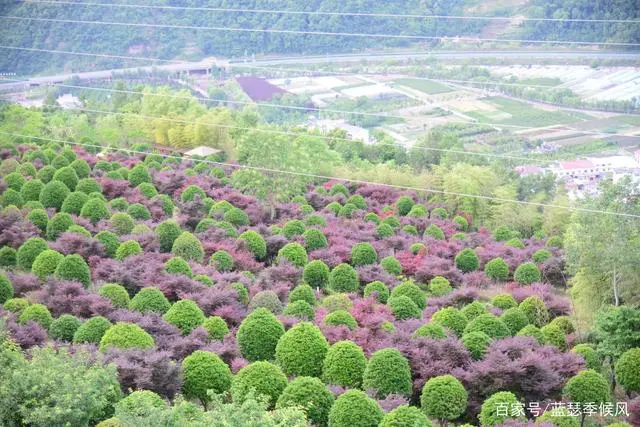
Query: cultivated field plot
(425, 86)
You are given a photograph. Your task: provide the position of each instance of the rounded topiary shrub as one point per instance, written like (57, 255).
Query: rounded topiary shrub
(515, 243)
(527, 273)
(122, 223)
(536, 310)
(188, 247)
(559, 417)
(403, 307)
(337, 302)
(344, 278)
(391, 265)
(74, 267)
(354, 408)
(58, 224)
(64, 327)
(91, 331)
(189, 193)
(541, 256)
(444, 398)
(115, 293)
(340, 317)
(492, 412)
(430, 330)
(411, 290)
(203, 371)
(89, 186)
(14, 181)
(553, 335)
(344, 365)
(404, 205)
(387, 373)
(439, 286)
(8, 257)
(127, 249)
(74, 202)
(627, 370)
(316, 274)
(11, 197)
(504, 301)
(46, 263)
(125, 335)
(177, 265)
(302, 292)
(490, 325)
(37, 313)
(46, 174)
(6, 288)
(255, 243)
(167, 231)
(39, 218)
(418, 211)
(587, 387)
(311, 395)
(362, 254)
(259, 334)
(477, 343)
(474, 309)
(467, 260)
(295, 253)
(300, 309)
(531, 331)
(497, 269)
(217, 327)
(110, 241)
(405, 416)
(380, 290)
(139, 212)
(301, 350)
(31, 190)
(292, 228)
(384, 230)
(515, 319)
(81, 167)
(95, 210)
(315, 239)
(67, 176)
(29, 250)
(221, 260)
(184, 315)
(149, 300)
(140, 403)
(237, 217)
(262, 379)
(590, 356)
(139, 174)
(434, 232)
(268, 300)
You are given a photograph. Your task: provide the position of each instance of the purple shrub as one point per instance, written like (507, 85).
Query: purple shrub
(23, 283)
(76, 243)
(29, 335)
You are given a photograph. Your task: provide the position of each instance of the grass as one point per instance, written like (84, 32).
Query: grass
(629, 120)
(522, 114)
(424, 86)
(541, 81)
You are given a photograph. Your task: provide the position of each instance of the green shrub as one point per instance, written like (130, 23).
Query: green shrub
(67, 176)
(627, 370)
(64, 327)
(39, 218)
(502, 234)
(139, 174)
(258, 335)
(203, 371)
(237, 217)
(405, 416)
(358, 201)
(558, 417)
(363, 254)
(74, 267)
(313, 220)
(15, 181)
(6, 288)
(11, 197)
(45, 174)
(58, 224)
(467, 260)
(477, 343)
(8, 257)
(554, 242)
(490, 325)
(344, 365)
(294, 253)
(53, 194)
(587, 387)
(263, 379)
(474, 309)
(430, 330)
(221, 260)
(403, 307)
(344, 278)
(217, 327)
(125, 335)
(339, 189)
(404, 205)
(535, 310)
(311, 395)
(532, 331)
(292, 228)
(81, 168)
(204, 279)
(91, 331)
(461, 223)
(74, 202)
(439, 286)
(504, 301)
(140, 403)
(340, 317)
(37, 313)
(347, 210)
(266, 299)
(149, 300)
(354, 408)
(316, 274)
(493, 409)
(46, 263)
(380, 289)
(443, 398)
(27, 170)
(115, 293)
(302, 292)
(452, 318)
(553, 335)
(31, 190)
(372, 217)
(314, 239)
(60, 162)
(497, 269)
(127, 249)
(110, 241)
(167, 231)
(337, 302)
(189, 193)
(417, 247)
(184, 315)
(16, 305)
(541, 256)
(434, 232)
(391, 221)
(418, 211)
(88, 186)
(177, 265)
(300, 309)
(139, 212)
(334, 207)
(564, 323)
(411, 229)
(527, 273)
(590, 356)
(255, 243)
(29, 250)
(301, 350)
(384, 230)
(515, 319)
(515, 243)
(122, 223)
(188, 247)
(411, 290)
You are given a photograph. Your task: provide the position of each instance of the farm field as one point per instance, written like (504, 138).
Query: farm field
(425, 86)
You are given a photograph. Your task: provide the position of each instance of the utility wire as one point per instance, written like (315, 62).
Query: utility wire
(327, 177)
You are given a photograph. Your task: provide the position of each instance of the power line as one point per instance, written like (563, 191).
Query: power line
(321, 13)
(327, 177)
(316, 33)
